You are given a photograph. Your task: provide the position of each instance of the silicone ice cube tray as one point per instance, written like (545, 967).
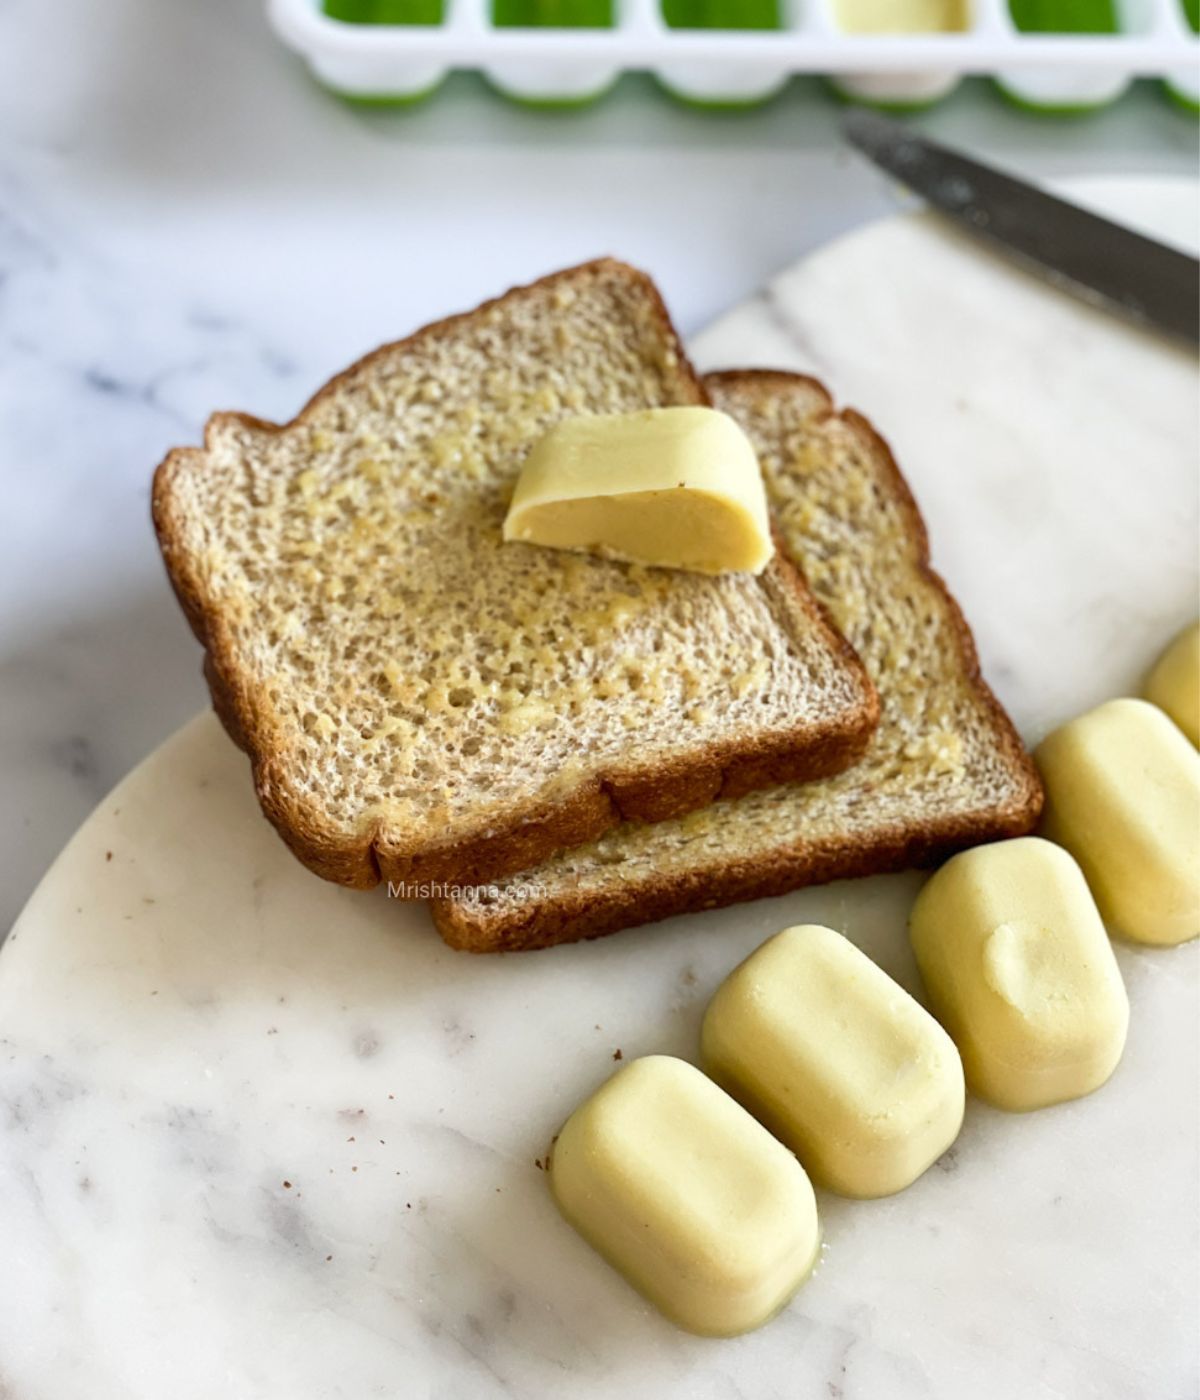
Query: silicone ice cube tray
(1052, 55)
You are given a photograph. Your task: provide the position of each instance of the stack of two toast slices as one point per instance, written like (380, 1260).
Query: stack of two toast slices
(554, 746)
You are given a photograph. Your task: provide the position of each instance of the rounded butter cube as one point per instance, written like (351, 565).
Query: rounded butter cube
(677, 1186)
(1174, 682)
(837, 1060)
(1123, 796)
(1020, 971)
(679, 487)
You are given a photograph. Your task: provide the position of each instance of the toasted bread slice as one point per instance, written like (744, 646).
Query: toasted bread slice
(945, 769)
(422, 702)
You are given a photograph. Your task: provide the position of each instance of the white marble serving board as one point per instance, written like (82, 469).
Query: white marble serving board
(262, 1137)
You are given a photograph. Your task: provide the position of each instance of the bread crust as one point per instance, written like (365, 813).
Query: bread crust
(575, 915)
(631, 792)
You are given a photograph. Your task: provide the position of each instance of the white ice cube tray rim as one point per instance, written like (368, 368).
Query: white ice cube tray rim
(740, 65)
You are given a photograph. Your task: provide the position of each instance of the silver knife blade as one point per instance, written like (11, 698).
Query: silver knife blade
(1096, 260)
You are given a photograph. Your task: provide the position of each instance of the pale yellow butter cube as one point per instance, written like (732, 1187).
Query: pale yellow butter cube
(836, 1059)
(1123, 796)
(1174, 683)
(677, 487)
(900, 16)
(1020, 971)
(701, 1209)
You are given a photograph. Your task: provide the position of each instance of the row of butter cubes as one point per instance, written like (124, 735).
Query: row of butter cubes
(697, 1187)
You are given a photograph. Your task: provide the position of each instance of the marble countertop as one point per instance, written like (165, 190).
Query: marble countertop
(187, 223)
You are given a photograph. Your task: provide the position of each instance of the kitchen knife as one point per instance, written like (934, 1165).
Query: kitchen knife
(1094, 259)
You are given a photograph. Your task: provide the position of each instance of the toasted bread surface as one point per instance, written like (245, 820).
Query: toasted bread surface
(424, 703)
(945, 769)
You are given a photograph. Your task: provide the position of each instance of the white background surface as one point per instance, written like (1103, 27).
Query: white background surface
(187, 223)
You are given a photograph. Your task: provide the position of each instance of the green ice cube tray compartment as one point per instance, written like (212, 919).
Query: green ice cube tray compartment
(1052, 55)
